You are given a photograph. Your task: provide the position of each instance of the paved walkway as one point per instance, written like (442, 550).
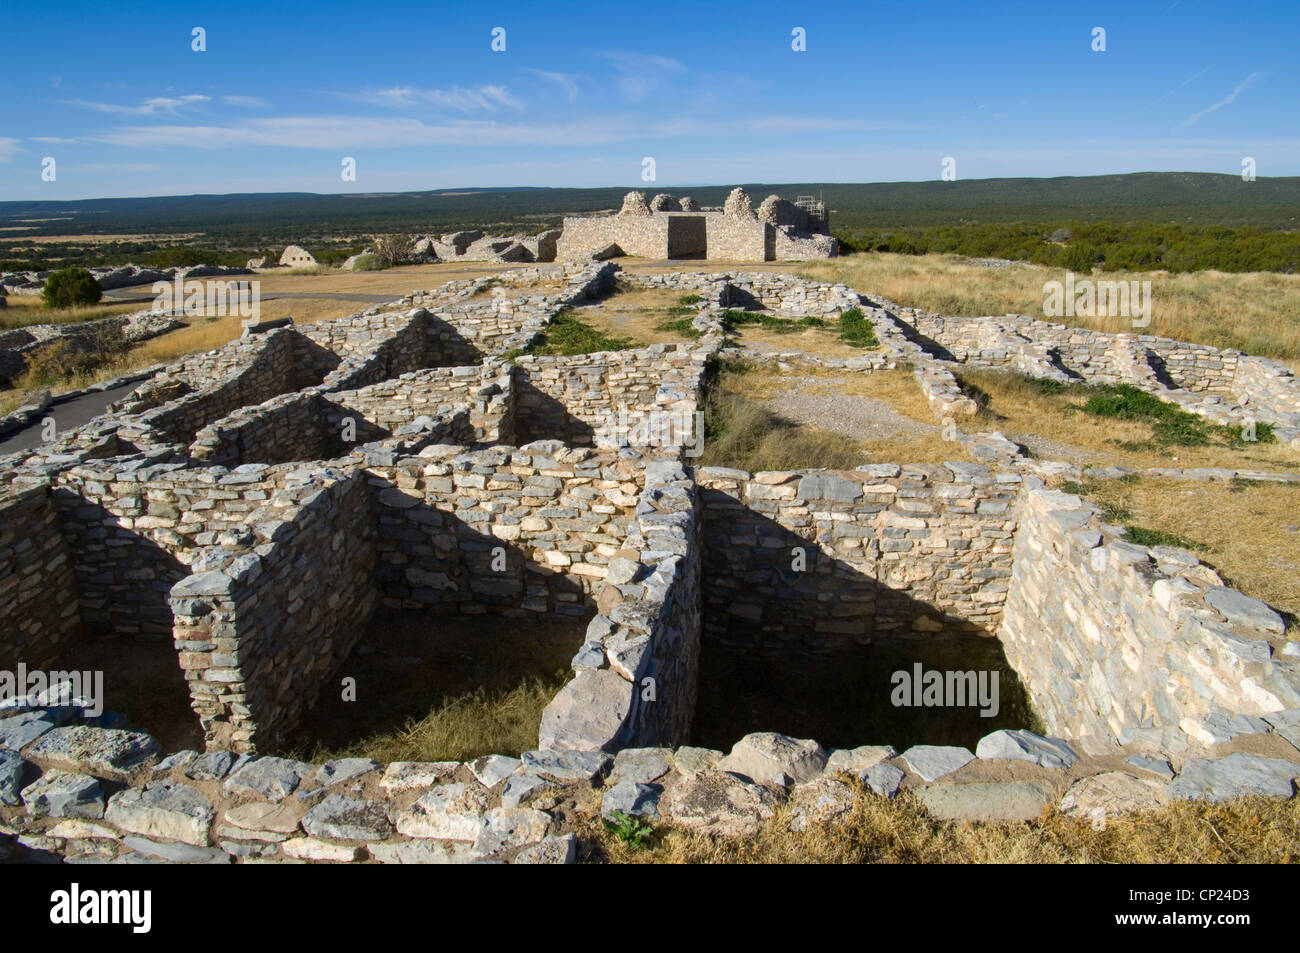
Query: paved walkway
(67, 416)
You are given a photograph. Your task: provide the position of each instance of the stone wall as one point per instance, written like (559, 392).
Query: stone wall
(889, 551)
(1123, 642)
(260, 627)
(38, 595)
(512, 530)
(635, 678)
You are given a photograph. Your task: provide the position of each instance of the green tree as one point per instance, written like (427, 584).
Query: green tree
(71, 288)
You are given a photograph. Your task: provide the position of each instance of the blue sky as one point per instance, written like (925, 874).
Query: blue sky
(583, 92)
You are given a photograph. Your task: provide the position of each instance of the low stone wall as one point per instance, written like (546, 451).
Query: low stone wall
(512, 530)
(259, 628)
(885, 551)
(38, 595)
(1123, 642)
(488, 392)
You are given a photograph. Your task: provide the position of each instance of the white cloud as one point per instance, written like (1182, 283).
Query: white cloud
(252, 102)
(639, 74)
(150, 107)
(1237, 91)
(568, 82)
(487, 98)
(8, 148)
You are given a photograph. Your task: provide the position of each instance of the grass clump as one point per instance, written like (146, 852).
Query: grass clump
(733, 318)
(1142, 536)
(566, 336)
(856, 330)
(690, 299)
(682, 326)
(627, 829)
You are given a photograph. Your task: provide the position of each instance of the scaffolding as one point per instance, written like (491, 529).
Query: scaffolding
(816, 210)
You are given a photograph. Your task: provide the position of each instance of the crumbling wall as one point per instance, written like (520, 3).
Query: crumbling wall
(1129, 643)
(39, 611)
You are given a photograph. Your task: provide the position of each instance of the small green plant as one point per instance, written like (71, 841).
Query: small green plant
(1156, 537)
(628, 829)
(567, 336)
(856, 330)
(1069, 486)
(682, 326)
(689, 299)
(71, 288)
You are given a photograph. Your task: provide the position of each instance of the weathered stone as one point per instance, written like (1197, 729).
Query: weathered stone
(857, 760)
(176, 853)
(343, 769)
(422, 852)
(1235, 776)
(416, 775)
(561, 849)
(59, 794)
(11, 773)
(108, 752)
(1021, 745)
(719, 804)
(507, 828)
(1240, 609)
(632, 798)
(588, 712)
(494, 768)
(883, 779)
(210, 766)
(932, 762)
(271, 778)
(447, 812)
(774, 759)
(1103, 796)
(18, 731)
(981, 801)
(1157, 766)
(162, 809)
(689, 760)
(310, 848)
(820, 801)
(568, 765)
(641, 765)
(345, 818)
(275, 818)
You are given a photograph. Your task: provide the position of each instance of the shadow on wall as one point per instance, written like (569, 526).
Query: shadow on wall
(813, 653)
(539, 416)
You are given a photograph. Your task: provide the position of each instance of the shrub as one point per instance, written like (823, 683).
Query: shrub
(856, 330)
(366, 262)
(71, 288)
(393, 250)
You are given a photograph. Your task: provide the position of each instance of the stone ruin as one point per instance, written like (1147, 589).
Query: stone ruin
(669, 228)
(246, 511)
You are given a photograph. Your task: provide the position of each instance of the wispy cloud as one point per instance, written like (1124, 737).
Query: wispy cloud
(150, 107)
(1237, 91)
(1182, 84)
(52, 140)
(488, 98)
(251, 102)
(568, 82)
(639, 74)
(8, 148)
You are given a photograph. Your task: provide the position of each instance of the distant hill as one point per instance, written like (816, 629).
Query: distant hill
(1193, 198)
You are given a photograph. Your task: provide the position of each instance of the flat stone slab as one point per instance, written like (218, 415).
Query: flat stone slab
(421, 852)
(556, 849)
(162, 809)
(689, 760)
(177, 853)
(1103, 796)
(109, 752)
(819, 802)
(523, 787)
(1235, 776)
(494, 768)
(932, 762)
(509, 827)
(272, 779)
(568, 765)
(641, 765)
(343, 769)
(416, 775)
(346, 818)
(980, 801)
(774, 759)
(1244, 610)
(18, 731)
(1021, 745)
(1287, 724)
(61, 794)
(632, 798)
(210, 766)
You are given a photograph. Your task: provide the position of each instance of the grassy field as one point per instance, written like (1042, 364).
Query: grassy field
(1256, 312)
(899, 831)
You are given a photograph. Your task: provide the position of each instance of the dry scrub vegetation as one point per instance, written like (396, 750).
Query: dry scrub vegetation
(1256, 312)
(882, 831)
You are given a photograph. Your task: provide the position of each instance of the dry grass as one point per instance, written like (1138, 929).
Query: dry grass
(1051, 429)
(1257, 312)
(1238, 528)
(751, 437)
(24, 310)
(635, 312)
(882, 831)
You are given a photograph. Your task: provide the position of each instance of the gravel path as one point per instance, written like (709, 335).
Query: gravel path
(863, 418)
